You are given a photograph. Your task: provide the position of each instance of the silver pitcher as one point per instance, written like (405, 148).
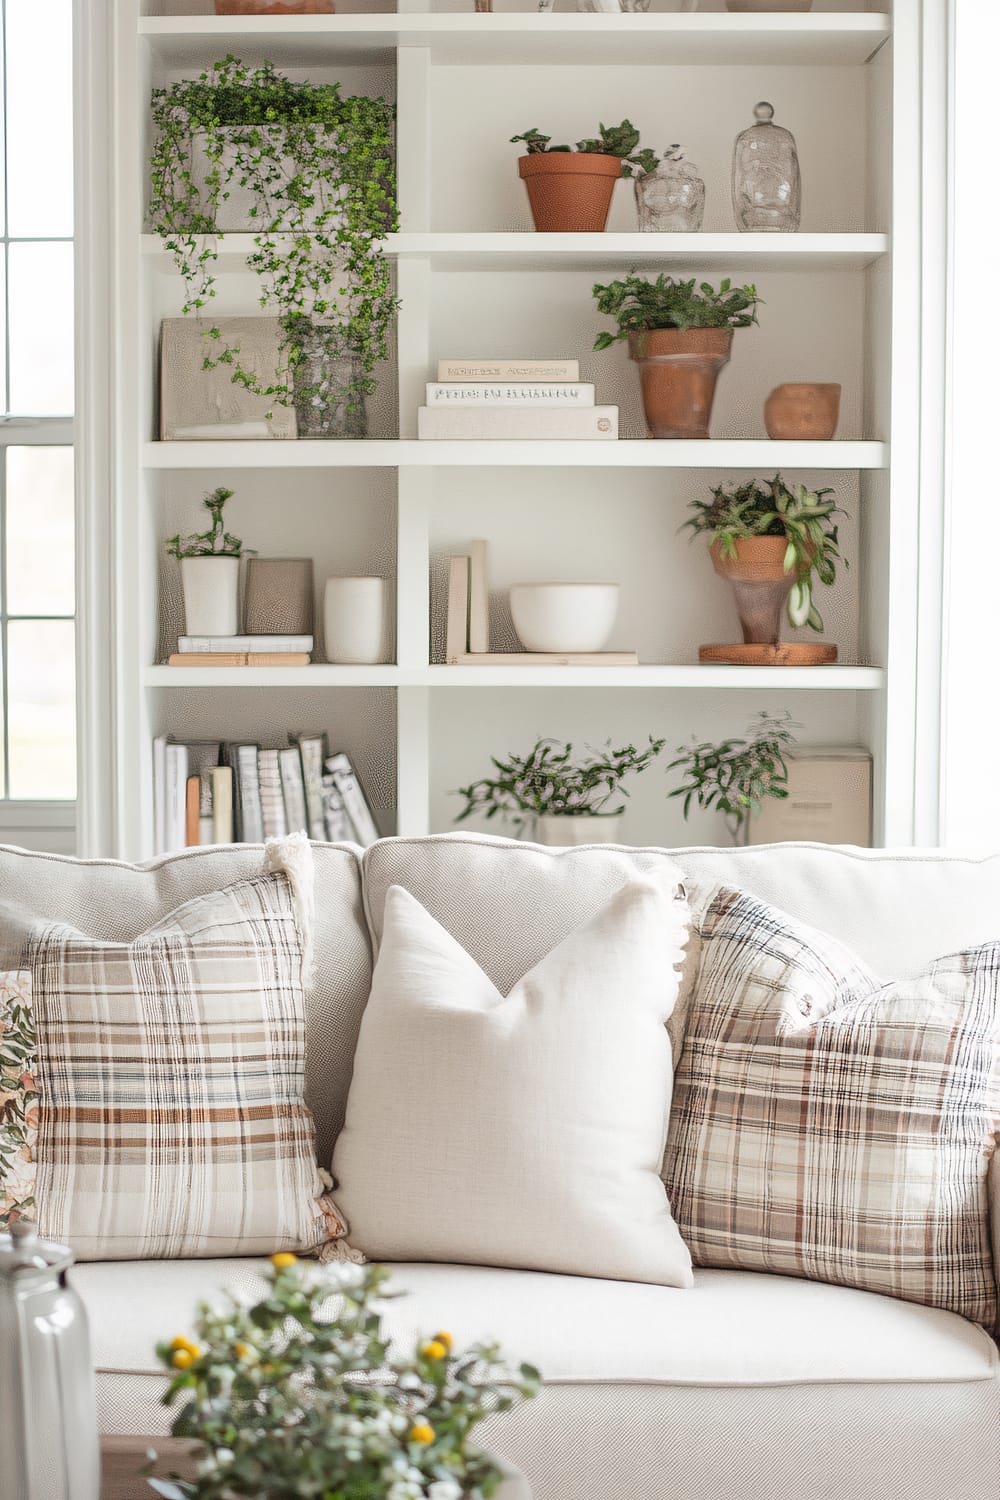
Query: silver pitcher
(48, 1412)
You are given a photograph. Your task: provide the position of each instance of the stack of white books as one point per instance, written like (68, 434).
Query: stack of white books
(511, 399)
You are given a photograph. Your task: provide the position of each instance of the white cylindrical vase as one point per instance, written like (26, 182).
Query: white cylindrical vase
(561, 829)
(211, 595)
(354, 620)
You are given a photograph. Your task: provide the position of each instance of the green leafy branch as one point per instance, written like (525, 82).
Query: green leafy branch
(736, 775)
(549, 780)
(216, 541)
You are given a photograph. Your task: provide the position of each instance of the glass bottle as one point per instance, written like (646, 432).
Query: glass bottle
(767, 190)
(671, 198)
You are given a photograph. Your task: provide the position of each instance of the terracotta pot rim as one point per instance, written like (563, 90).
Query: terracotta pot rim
(577, 163)
(765, 554)
(648, 343)
(797, 386)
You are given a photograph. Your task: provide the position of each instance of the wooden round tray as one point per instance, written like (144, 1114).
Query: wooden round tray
(784, 654)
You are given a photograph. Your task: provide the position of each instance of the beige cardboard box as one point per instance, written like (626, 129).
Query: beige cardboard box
(829, 800)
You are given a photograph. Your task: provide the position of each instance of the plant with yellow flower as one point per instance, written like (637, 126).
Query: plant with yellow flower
(300, 1396)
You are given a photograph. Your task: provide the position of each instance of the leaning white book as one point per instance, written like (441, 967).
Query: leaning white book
(451, 393)
(508, 369)
(482, 423)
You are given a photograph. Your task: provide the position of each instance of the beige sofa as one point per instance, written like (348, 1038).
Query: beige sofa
(749, 1387)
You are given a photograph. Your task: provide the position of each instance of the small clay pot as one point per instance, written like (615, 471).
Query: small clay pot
(760, 584)
(569, 191)
(802, 413)
(679, 370)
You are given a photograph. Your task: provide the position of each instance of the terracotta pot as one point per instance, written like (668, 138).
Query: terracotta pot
(678, 371)
(760, 584)
(569, 191)
(804, 412)
(274, 7)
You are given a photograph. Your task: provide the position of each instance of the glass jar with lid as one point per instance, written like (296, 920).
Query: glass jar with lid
(767, 188)
(671, 198)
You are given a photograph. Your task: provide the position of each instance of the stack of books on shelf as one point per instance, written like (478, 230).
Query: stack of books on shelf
(214, 792)
(242, 651)
(513, 399)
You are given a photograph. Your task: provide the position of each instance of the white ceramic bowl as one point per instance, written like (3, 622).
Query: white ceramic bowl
(564, 617)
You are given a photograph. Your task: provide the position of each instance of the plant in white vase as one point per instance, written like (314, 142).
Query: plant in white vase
(563, 797)
(210, 572)
(735, 776)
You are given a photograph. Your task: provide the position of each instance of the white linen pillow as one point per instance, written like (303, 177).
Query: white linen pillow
(524, 1130)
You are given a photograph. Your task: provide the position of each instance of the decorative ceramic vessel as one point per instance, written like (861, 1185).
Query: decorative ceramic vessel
(563, 829)
(679, 370)
(564, 617)
(767, 188)
(760, 584)
(569, 191)
(354, 619)
(279, 596)
(803, 412)
(211, 595)
(671, 200)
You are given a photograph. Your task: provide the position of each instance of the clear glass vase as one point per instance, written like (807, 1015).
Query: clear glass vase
(767, 188)
(672, 198)
(328, 399)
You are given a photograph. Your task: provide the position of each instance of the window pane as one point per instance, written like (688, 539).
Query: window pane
(41, 676)
(41, 330)
(40, 117)
(40, 531)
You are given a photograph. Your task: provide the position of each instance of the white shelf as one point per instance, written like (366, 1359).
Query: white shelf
(526, 38)
(637, 453)
(600, 252)
(846, 679)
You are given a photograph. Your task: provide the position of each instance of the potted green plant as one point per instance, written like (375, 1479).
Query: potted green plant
(735, 776)
(564, 797)
(770, 540)
(310, 173)
(680, 336)
(570, 190)
(301, 1395)
(210, 572)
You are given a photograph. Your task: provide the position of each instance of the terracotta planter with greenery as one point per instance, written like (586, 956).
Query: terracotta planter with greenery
(570, 192)
(760, 584)
(678, 370)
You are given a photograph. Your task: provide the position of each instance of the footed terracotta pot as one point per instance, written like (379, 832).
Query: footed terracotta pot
(760, 584)
(569, 191)
(678, 370)
(802, 413)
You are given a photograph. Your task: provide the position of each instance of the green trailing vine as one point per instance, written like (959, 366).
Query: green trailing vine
(321, 170)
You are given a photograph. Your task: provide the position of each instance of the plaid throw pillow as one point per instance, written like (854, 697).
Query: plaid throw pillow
(172, 1121)
(18, 1098)
(829, 1126)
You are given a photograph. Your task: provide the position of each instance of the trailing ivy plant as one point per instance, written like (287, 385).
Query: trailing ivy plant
(638, 304)
(216, 541)
(321, 170)
(612, 140)
(551, 781)
(735, 776)
(773, 508)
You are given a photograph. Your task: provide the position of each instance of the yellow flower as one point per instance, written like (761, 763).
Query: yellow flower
(434, 1350)
(180, 1342)
(283, 1259)
(444, 1337)
(421, 1432)
(183, 1359)
(244, 1351)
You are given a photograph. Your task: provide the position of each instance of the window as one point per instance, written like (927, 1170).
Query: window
(37, 630)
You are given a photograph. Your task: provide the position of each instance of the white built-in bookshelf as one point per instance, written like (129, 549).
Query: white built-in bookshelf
(475, 280)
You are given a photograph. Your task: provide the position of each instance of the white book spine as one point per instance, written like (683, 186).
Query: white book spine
(187, 644)
(339, 829)
(513, 423)
(175, 822)
(508, 369)
(293, 790)
(355, 802)
(222, 805)
(251, 815)
(517, 393)
(160, 794)
(312, 749)
(272, 803)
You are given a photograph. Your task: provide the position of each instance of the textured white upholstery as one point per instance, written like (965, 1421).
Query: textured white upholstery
(113, 901)
(747, 1386)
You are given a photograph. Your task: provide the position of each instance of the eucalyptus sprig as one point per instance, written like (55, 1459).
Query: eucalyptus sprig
(773, 508)
(736, 775)
(216, 541)
(300, 1396)
(321, 170)
(550, 780)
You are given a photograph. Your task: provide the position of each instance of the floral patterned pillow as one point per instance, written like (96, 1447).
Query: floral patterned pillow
(18, 1098)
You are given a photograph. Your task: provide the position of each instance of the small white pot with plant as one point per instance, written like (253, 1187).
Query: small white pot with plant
(563, 799)
(210, 572)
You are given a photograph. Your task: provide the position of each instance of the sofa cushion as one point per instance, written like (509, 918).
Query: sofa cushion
(526, 1128)
(829, 1126)
(715, 1393)
(114, 901)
